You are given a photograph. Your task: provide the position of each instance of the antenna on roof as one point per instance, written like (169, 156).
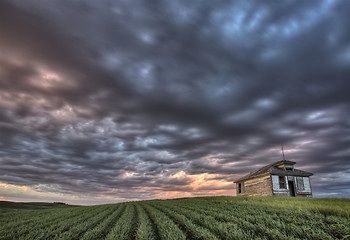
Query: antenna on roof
(283, 152)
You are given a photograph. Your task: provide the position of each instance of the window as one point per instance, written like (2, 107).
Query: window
(239, 187)
(288, 167)
(282, 181)
(300, 183)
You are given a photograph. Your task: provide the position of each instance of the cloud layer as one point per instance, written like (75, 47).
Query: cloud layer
(146, 99)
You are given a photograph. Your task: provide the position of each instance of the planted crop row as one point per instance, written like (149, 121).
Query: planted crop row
(222, 220)
(197, 218)
(36, 223)
(273, 224)
(123, 229)
(32, 217)
(224, 230)
(165, 227)
(77, 230)
(60, 228)
(102, 229)
(144, 229)
(192, 230)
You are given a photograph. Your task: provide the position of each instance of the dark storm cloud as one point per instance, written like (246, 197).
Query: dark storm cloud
(119, 97)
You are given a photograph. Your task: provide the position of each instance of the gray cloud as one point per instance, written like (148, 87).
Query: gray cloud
(119, 97)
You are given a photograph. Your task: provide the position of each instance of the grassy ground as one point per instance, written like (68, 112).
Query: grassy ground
(340, 205)
(186, 218)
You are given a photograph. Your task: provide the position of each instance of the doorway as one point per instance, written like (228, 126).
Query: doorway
(291, 188)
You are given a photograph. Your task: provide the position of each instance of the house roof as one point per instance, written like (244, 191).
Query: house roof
(273, 169)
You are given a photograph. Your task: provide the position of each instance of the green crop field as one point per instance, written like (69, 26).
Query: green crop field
(186, 218)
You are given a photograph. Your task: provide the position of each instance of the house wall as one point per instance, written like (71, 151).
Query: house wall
(302, 186)
(260, 186)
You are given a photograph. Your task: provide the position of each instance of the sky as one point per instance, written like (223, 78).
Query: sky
(112, 101)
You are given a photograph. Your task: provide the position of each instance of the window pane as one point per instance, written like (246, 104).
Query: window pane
(300, 183)
(282, 182)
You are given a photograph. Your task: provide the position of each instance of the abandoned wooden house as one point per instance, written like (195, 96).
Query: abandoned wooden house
(276, 179)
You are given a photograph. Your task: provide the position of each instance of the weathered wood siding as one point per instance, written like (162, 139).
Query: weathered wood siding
(260, 186)
(301, 184)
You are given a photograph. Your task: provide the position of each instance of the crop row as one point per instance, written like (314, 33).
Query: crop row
(175, 219)
(262, 222)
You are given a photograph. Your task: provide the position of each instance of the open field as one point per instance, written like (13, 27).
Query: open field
(186, 218)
